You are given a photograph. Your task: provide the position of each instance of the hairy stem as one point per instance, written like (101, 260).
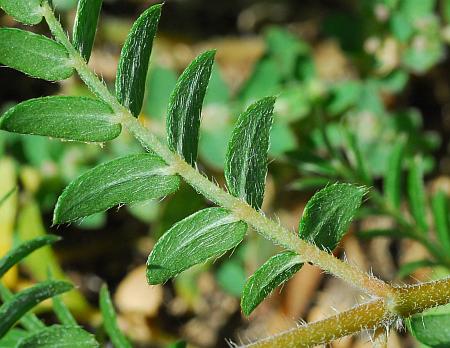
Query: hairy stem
(379, 313)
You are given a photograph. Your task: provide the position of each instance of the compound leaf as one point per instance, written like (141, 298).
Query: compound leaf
(185, 105)
(393, 179)
(272, 273)
(25, 11)
(17, 254)
(57, 336)
(439, 204)
(22, 302)
(71, 118)
(110, 321)
(133, 63)
(246, 159)
(416, 193)
(206, 234)
(126, 180)
(328, 214)
(85, 26)
(35, 55)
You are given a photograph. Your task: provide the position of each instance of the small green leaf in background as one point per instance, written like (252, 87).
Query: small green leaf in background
(206, 234)
(133, 63)
(410, 267)
(328, 214)
(62, 312)
(71, 118)
(185, 105)
(25, 11)
(35, 55)
(58, 336)
(18, 253)
(416, 193)
(393, 178)
(272, 273)
(439, 205)
(29, 320)
(432, 327)
(85, 26)
(110, 321)
(358, 158)
(25, 300)
(231, 277)
(179, 344)
(125, 180)
(246, 160)
(265, 80)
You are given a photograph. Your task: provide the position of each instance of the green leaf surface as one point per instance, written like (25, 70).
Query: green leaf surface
(25, 11)
(118, 339)
(133, 63)
(70, 118)
(393, 178)
(416, 193)
(126, 180)
(29, 320)
(439, 205)
(58, 336)
(246, 160)
(185, 106)
(34, 55)
(85, 26)
(17, 254)
(328, 214)
(206, 234)
(433, 330)
(272, 273)
(25, 300)
(11, 339)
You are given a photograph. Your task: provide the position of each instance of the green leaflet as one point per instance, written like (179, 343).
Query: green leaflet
(185, 105)
(416, 193)
(71, 118)
(206, 234)
(35, 55)
(328, 214)
(432, 328)
(439, 204)
(133, 63)
(25, 300)
(58, 336)
(272, 273)
(110, 322)
(85, 26)
(246, 159)
(17, 254)
(393, 178)
(126, 180)
(29, 320)
(25, 11)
